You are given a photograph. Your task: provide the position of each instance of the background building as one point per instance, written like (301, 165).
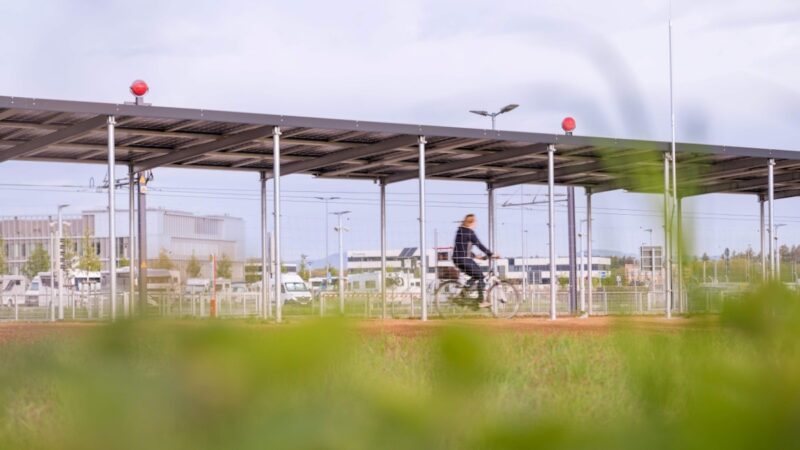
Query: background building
(177, 234)
(538, 269)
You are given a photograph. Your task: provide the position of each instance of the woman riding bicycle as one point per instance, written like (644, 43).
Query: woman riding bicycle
(463, 258)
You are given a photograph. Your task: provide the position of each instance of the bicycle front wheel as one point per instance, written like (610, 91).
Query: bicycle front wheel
(449, 302)
(505, 300)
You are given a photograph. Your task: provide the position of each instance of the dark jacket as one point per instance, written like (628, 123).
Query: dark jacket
(462, 248)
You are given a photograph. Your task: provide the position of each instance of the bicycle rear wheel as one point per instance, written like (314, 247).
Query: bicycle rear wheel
(505, 300)
(449, 302)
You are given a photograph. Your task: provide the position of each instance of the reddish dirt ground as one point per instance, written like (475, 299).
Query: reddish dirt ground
(403, 327)
(568, 325)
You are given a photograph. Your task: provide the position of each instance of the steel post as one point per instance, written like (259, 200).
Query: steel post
(112, 222)
(276, 193)
(589, 288)
(131, 239)
(667, 244)
(551, 226)
(383, 249)
(265, 308)
(573, 274)
(341, 264)
(491, 225)
(142, 235)
(771, 206)
(423, 245)
(763, 235)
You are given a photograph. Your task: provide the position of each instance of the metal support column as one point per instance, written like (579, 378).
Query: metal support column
(573, 273)
(112, 223)
(491, 225)
(423, 245)
(276, 193)
(763, 230)
(551, 206)
(383, 249)
(679, 253)
(131, 239)
(142, 235)
(771, 206)
(589, 248)
(265, 308)
(667, 244)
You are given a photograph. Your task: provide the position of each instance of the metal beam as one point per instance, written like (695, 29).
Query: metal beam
(565, 171)
(731, 186)
(70, 132)
(441, 147)
(356, 152)
(465, 163)
(196, 150)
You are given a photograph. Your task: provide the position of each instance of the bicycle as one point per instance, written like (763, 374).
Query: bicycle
(454, 299)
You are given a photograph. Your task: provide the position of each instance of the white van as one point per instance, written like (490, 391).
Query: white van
(12, 290)
(39, 292)
(294, 289)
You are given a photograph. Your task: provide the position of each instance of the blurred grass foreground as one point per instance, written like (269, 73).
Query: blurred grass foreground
(331, 385)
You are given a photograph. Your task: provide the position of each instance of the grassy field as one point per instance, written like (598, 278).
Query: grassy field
(728, 382)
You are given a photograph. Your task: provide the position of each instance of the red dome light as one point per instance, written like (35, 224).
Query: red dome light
(568, 124)
(139, 88)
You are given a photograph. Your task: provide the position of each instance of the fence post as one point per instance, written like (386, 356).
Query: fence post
(16, 308)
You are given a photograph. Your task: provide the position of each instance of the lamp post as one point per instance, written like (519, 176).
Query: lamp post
(582, 283)
(493, 115)
(341, 231)
(327, 268)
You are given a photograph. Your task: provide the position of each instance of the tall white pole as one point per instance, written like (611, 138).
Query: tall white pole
(131, 240)
(341, 265)
(551, 226)
(763, 240)
(524, 253)
(266, 305)
(423, 245)
(276, 192)
(112, 222)
(771, 206)
(589, 246)
(383, 249)
(667, 244)
(674, 161)
(582, 285)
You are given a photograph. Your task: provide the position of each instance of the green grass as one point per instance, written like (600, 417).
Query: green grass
(328, 385)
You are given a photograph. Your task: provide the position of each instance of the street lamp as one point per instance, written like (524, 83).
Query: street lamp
(493, 115)
(341, 230)
(327, 269)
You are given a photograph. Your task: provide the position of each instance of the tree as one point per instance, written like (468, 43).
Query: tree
(224, 267)
(3, 263)
(124, 262)
(193, 268)
(89, 261)
(164, 261)
(38, 261)
(69, 252)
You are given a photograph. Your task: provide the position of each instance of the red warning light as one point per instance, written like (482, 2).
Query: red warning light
(139, 88)
(568, 124)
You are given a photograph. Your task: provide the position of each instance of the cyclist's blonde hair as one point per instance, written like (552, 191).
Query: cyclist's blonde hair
(469, 219)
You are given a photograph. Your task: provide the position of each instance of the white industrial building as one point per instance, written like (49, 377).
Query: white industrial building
(538, 269)
(179, 234)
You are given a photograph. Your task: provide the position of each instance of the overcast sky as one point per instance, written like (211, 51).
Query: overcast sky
(605, 63)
